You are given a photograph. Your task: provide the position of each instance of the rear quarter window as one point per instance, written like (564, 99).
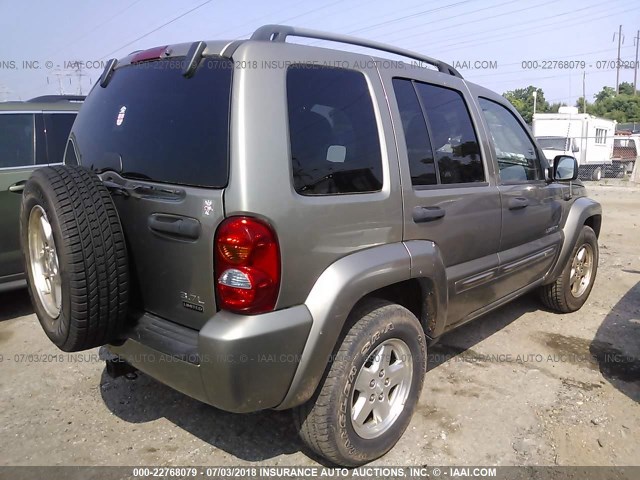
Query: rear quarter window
(335, 147)
(57, 128)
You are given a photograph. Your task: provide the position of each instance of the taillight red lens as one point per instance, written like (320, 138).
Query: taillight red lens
(247, 265)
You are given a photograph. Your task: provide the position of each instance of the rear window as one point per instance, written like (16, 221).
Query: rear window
(152, 123)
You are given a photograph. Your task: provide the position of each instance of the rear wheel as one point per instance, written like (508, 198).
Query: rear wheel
(75, 257)
(571, 290)
(371, 388)
(597, 174)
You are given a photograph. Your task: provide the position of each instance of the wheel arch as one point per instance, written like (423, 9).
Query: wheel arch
(595, 222)
(584, 211)
(385, 272)
(418, 295)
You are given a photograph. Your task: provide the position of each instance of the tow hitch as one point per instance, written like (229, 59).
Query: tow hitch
(116, 367)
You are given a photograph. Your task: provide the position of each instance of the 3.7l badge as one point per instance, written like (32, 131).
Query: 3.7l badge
(192, 302)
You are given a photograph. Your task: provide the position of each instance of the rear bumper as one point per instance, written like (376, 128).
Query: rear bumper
(235, 362)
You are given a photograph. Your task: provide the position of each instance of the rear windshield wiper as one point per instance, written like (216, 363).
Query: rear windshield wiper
(158, 192)
(136, 190)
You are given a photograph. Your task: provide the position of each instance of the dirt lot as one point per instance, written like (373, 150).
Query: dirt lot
(520, 386)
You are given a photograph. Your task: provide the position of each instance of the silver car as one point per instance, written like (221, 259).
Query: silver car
(261, 224)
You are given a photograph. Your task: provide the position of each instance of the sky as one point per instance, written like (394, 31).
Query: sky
(499, 44)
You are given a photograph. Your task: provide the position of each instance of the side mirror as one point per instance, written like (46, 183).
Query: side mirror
(565, 167)
(575, 149)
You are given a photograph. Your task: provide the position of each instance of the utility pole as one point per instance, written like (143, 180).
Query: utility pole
(584, 95)
(58, 74)
(618, 63)
(635, 66)
(79, 74)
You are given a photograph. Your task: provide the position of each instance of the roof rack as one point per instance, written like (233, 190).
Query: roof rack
(279, 33)
(57, 98)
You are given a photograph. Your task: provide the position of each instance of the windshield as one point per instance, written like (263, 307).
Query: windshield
(624, 143)
(150, 122)
(553, 143)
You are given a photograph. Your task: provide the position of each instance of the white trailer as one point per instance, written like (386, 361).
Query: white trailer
(568, 132)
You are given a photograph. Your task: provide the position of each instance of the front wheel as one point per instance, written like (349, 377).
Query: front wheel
(371, 388)
(571, 290)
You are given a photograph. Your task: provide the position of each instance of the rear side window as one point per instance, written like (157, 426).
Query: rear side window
(335, 148)
(515, 152)
(453, 138)
(57, 127)
(419, 151)
(16, 140)
(152, 123)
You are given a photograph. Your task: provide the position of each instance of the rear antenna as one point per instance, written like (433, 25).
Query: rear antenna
(194, 55)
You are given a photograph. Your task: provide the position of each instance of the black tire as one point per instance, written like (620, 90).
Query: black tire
(91, 253)
(324, 422)
(557, 296)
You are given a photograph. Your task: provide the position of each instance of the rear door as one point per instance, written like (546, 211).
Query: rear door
(449, 195)
(161, 140)
(17, 161)
(531, 206)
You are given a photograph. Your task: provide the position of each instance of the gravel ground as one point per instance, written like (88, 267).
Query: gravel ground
(520, 386)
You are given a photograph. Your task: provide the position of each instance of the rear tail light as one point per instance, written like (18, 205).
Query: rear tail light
(247, 265)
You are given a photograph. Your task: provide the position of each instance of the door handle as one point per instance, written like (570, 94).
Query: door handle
(427, 214)
(517, 203)
(18, 187)
(175, 226)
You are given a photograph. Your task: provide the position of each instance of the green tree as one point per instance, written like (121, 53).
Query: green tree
(522, 100)
(554, 107)
(580, 104)
(605, 93)
(626, 88)
(623, 107)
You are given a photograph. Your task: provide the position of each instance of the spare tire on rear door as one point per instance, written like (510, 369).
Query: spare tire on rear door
(75, 257)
